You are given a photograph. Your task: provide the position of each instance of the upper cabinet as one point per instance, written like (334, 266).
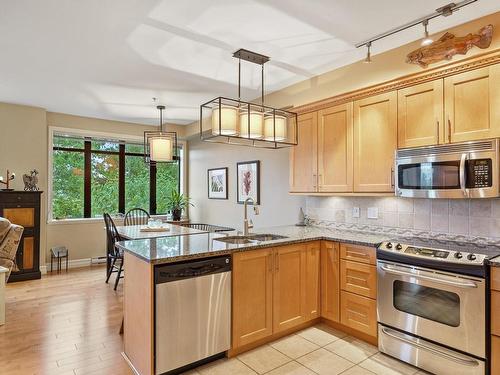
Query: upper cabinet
(375, 140)
(335, 149)
(420, 115)
(472, 102)
(303, 157)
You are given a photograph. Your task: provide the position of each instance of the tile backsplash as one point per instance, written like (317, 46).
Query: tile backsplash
(464, 217)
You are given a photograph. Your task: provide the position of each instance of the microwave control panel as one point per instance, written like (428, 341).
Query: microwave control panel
(479, 173)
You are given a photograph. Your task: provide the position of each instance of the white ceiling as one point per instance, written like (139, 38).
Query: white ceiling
(108, 58)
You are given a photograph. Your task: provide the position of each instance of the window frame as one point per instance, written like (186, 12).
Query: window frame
(87, 152)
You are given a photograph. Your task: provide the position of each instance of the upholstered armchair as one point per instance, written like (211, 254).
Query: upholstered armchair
(10, 236)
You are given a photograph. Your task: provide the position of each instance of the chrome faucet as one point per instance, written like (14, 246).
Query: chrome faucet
(248, 224)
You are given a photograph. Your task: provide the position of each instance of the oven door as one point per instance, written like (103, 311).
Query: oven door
(438, 306)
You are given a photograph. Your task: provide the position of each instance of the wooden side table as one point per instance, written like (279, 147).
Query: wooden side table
(3, 274)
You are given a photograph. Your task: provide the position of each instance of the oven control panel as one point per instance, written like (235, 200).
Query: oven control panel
(436, 254)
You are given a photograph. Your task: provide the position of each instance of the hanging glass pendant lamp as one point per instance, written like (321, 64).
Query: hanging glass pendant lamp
(226, 120)
(160, 146)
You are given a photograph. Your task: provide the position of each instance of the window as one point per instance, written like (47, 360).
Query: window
(92, 175)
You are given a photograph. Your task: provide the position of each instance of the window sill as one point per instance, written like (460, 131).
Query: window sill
(94, 220)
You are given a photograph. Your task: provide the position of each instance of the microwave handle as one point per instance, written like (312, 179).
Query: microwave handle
(463, 158)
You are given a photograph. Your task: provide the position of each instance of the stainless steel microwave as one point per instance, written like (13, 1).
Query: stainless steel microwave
(459, 170)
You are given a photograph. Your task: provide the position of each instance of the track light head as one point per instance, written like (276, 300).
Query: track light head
(426, 41)
(368, 53)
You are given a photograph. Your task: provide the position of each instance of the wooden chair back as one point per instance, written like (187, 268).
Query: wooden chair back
(136, 216)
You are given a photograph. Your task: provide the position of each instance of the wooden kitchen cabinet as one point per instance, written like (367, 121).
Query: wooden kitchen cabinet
(472, 104)
(420, 115)
(303, 157)
(252, 279)
(358, 253)
(330, 281)
(335, 149)
(358, 278)
(289, 287)
(312, 280)
(375, 140)
(359, 313)
(495, 355)
(495, 312)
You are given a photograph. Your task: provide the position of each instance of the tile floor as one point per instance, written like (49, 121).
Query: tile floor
(316, 350)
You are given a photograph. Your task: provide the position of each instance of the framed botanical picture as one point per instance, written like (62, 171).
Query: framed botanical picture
(248, 181)
(217, 183)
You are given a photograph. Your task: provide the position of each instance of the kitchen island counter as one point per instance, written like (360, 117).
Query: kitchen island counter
(179, 248)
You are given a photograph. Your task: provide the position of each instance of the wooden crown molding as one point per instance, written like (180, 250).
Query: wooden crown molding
(471, 63)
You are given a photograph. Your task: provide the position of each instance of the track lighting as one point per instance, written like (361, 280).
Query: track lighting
(426, 41)
(368, 53)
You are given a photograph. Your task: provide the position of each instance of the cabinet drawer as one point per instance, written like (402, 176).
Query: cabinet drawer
(19, 198)
(20, 216)
(359, 313)
(358, 278)
(495, 278)
(495, 355)
(357, 253)
(495, 313)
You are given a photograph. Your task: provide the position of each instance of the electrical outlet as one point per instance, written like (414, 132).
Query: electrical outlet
(355, 212)
(372, 213)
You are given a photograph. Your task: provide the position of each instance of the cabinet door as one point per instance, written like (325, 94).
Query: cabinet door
(420, 115)
(472, 102)
(375, 140)
(330, 281)
(357, 253)
(303, 157)
(359, 313)
(252, 296)
(335, 149)
(289, 287)
(358, 278)
(312, 277)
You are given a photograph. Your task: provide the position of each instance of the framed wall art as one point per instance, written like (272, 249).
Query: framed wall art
(217, 183)
(248, 181)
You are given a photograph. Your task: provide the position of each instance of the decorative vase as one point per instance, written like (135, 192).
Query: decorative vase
(176, 214)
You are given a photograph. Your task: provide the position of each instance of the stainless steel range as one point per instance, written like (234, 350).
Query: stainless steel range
(432, 304)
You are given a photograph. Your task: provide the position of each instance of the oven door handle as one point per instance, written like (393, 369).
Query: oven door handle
(463, 185)
(463, 361)
(431, 277)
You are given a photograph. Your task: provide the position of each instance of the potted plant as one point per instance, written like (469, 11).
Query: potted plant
(176, 202)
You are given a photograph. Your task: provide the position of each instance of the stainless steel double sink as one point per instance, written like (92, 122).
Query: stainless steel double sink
(241, 240)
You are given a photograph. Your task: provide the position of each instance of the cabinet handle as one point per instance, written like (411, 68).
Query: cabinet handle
(270, 260)
(449, 130)
(392, 176)
(437, 123)
(314, 180)
(277, 261)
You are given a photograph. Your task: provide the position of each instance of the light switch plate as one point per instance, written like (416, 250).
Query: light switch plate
(372, 213)
(355, 212)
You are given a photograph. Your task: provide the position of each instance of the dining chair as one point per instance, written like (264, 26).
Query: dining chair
(115, 255)
(136, 216)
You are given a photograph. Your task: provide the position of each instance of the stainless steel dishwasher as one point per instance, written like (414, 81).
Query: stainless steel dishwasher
(193, 312)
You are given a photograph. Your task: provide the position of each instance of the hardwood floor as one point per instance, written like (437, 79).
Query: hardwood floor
(63, 324)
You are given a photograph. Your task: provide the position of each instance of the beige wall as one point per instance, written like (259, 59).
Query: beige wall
(24, 145)
(277, 206)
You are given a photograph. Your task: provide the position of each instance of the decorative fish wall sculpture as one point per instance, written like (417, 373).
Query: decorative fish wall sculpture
(448, 46)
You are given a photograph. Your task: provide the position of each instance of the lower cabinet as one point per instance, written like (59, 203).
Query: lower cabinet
(330, 281)
(274, 290)
(358, 312)
(252, 296)
(495, 355)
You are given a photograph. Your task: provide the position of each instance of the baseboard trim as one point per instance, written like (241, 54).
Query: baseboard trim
(75, 263)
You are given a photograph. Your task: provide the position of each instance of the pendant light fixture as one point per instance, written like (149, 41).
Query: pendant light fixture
(226, 120)
(160, 146)
(368, 53)
(426, 41)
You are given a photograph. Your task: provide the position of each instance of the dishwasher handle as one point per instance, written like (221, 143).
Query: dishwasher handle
(189, 269)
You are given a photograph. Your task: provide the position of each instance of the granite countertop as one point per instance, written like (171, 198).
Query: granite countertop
(177, 248)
